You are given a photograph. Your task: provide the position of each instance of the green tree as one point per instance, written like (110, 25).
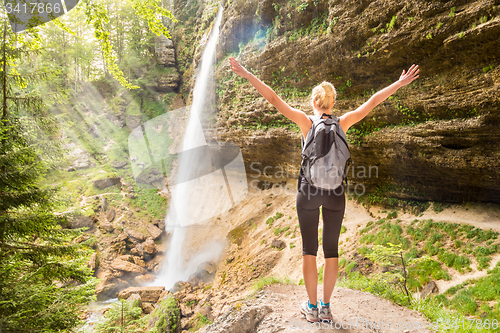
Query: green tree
(392, 257)
(44, 279)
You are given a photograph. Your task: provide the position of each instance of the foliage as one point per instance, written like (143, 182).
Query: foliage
(392, 257)
(123, 316)
(44, 277)
(97, 16)
(168, 314)
(267, 281)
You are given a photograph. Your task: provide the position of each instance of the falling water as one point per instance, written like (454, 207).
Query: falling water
(174, 269)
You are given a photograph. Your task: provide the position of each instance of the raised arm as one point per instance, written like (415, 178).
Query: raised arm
(350, 118)
(295, 115)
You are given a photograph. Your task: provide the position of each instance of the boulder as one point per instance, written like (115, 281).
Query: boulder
(107, 226)
(127, 266)
(154, 231)
(110, 215)
(81, 222)
(93, 261)
(204, 273)
(206, 310)
(135, 235)
(167, 312)
(143, 279)
(138, 261)
(135, 297)
(147, 307)
(149, 247)
(104, 203)
(106, 285)
(148, 294)
(119, 164)
(186, 310)
(243, 320)
(106, 182)
(278, 243)
(127, 257)
(430, 288)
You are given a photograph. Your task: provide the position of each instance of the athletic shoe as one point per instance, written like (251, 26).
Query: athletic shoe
(325, 313)
(311, 313)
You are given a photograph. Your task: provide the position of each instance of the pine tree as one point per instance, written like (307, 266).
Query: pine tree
(44, 279)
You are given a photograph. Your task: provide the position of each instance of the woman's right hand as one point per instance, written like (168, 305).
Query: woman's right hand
(238, 69)
(408, 77)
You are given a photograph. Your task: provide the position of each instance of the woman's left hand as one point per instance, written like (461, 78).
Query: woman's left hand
(237, 68)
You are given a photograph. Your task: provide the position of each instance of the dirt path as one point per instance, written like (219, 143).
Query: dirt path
(353, 311)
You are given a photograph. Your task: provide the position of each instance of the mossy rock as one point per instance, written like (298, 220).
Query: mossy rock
(236, 236)
(166, 318)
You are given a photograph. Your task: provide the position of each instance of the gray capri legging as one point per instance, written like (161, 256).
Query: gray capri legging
(309, 199)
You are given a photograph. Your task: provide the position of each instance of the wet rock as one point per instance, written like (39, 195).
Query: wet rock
(143, 279)
(133, 121)
(204, 273)
(106, 284)
(164, 49)
(148, 294)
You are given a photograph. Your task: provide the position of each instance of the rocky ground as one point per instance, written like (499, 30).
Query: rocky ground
(224, 293)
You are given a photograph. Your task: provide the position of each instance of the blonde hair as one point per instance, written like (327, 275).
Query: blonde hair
(324, 94)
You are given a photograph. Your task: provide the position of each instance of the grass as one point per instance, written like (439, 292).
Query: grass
(198, 321)
(443, 317)
(267, 281)
(427, 237)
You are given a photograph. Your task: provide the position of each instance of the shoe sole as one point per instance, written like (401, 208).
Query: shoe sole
(309, 320)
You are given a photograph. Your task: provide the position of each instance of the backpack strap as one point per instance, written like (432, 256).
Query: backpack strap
(302, 149)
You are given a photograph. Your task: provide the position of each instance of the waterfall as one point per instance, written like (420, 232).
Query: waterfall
(179, 214)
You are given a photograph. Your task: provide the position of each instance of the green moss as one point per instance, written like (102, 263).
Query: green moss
(236, 235)
(199, 321)
(168, 315)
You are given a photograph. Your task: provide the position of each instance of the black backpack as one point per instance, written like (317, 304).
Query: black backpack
(325, 154)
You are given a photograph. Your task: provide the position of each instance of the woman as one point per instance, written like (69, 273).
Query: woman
(309, 199)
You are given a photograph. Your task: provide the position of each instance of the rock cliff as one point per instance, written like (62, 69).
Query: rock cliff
(436, 139)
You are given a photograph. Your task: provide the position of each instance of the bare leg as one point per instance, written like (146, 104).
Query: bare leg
(310, 272)
(330, 273)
